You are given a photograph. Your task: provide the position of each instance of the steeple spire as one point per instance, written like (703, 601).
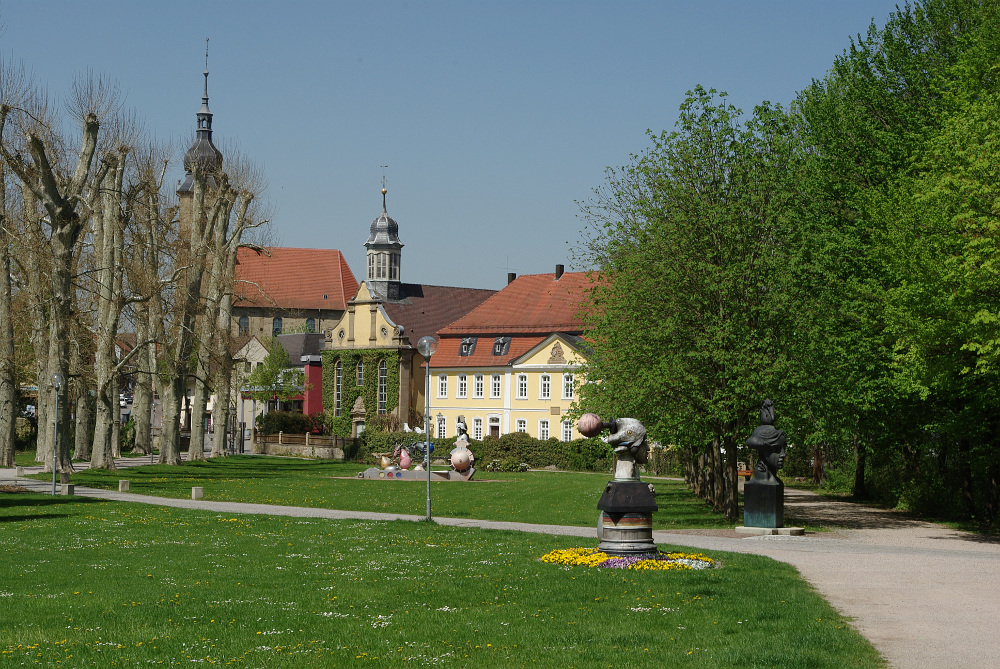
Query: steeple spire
(203, 152)
(205, 114)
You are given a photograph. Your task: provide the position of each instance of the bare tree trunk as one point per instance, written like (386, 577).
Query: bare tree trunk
(83, 436)
(142, 400)
(108, 241)
(860, 489)
(732, 505)
(8, 375)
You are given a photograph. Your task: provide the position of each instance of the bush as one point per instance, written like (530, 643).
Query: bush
(289, 422)
(588, 455)
(507, 465)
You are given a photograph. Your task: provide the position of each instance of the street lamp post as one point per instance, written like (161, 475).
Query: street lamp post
(426, 346)
(57, 381)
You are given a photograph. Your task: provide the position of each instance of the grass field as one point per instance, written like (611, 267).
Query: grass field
(113, 584)
(558, 498)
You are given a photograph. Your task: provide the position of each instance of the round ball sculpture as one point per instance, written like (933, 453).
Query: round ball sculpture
(461, 459)
(590, 425)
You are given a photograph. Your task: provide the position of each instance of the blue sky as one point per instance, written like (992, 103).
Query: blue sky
(494, 118)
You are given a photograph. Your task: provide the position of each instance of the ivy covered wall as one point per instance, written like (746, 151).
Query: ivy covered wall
(350, 390)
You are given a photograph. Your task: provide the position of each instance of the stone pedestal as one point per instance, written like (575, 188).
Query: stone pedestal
(67, 489)
(763, 504)
(122, 485)
(625, 526)
(771, 531)
(197, 492)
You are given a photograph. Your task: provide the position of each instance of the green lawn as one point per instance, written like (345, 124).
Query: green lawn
(558, 498)
(113, 584)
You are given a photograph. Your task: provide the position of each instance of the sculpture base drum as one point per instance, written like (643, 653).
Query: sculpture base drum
(763, 504)
(625, 525)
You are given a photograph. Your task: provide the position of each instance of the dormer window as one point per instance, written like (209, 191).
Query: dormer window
(468, 346)
(501, 345)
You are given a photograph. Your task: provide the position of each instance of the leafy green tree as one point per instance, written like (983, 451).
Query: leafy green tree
(274, 379)
(688, 320)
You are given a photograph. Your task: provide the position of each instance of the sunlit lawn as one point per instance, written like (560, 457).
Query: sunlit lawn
(559, 498)
(112, 584)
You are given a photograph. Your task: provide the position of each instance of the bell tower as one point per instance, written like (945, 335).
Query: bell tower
(383, 255)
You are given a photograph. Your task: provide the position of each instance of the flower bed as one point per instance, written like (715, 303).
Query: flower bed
(591, 557)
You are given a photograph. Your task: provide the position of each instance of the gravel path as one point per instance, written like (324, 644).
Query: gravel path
(925, 595)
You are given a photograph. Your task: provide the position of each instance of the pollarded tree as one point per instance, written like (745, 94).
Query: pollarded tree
(58, 182)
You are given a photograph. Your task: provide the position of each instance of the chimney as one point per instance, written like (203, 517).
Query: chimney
(559, 271)
(510, 277)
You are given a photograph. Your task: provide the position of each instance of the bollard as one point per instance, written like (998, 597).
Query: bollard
(122, 485)
(19, 471)
(197, 492)
(67, 489)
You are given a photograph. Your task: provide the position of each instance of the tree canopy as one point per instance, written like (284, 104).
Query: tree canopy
(838, 256)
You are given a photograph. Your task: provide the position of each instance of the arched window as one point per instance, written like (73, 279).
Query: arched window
(338, 370)
(244, 325)
(361, 373)
(383, 390)
(276, 326)
(310, 325)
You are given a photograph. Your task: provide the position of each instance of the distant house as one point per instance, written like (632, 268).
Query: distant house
(283, 290)
(511, 364)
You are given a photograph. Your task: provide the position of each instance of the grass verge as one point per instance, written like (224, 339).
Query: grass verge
(112, 584)
(557, 498)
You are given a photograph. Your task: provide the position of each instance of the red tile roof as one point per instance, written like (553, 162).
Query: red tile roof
(534, 303)
(427, 309)
(447, 352)
(294, 279)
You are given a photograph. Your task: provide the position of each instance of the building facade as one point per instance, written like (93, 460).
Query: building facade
(371, 367)
(512, 364)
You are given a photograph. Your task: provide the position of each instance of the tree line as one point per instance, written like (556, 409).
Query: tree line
(838, 255)
(95, 250)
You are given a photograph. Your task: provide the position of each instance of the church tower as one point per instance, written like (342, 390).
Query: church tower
(202, 154)
(383, 251)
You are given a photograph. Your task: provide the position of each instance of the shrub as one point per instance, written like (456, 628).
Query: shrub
(591, 455)
(507, 465)
(289, 422)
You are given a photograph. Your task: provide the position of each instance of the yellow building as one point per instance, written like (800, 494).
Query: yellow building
(512, 364)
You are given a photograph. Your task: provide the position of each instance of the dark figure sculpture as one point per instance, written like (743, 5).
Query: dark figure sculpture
(770, 443)
(764, 494)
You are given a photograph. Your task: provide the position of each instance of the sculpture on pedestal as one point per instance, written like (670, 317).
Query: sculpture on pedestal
(625, 525)
(763, 495)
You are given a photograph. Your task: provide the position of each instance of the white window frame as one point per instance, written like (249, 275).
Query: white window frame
(543, 429)
(567, 389)
(522, 386)
(520, 425)
(442, 427)
(477, 386)
(442, 386)
(544, 387)
(496, 386)
(567, 430)
(383, 387)
(463, 386)
(477, 429)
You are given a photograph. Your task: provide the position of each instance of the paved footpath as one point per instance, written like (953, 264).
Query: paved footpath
(925, 595)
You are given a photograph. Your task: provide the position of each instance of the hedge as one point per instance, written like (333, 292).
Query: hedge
(587, 455)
